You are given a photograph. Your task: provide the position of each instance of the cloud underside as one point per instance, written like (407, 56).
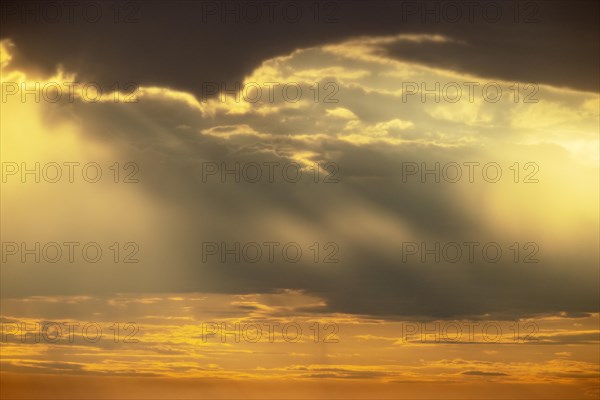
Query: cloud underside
(354, 112)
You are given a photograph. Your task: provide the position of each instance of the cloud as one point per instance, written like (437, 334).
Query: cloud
(484, 373)
(556, 42)
(172, 135)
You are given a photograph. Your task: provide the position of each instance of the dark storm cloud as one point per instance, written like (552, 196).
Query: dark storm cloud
(369, 214)
(179, 44)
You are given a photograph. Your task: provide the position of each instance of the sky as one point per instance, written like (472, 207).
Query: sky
(238, 200)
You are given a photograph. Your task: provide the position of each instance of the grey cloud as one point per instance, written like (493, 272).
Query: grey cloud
(369, 214)
(561, 48)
